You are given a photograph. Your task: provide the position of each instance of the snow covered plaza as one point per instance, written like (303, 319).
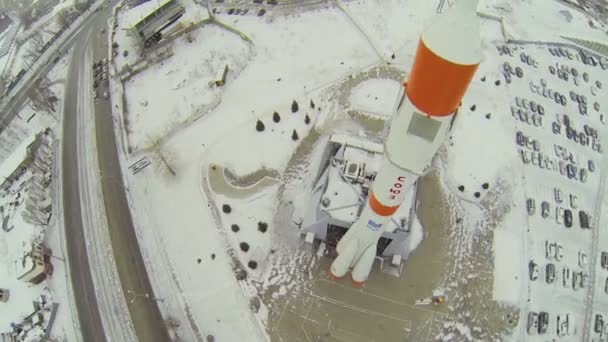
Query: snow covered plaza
(183, 170)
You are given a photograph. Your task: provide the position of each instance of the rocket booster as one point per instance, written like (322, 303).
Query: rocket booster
(448, 54)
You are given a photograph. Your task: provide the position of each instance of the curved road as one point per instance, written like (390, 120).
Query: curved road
(145, 314)
(80, 273)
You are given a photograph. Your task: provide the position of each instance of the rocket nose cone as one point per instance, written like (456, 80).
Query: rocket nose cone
(455, 34)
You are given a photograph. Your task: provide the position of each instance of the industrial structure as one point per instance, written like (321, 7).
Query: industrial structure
(340, 192)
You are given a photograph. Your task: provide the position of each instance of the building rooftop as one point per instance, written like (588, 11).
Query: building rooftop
(136, 14)
(10, 164)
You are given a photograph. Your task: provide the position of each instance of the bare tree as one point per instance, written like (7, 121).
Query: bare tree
(19, 9)
(42, 97)
(62, 17)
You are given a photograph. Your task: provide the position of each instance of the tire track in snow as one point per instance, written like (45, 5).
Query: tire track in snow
(111, 300)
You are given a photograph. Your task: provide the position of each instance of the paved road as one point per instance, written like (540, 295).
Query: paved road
(80, 273)
(145, 313)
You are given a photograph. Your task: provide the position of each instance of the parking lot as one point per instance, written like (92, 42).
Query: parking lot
(560, 116)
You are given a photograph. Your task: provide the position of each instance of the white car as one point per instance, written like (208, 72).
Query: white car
(557, 193)
(573, 201)
(559, 215)
(565, 325)
(550, 248)
(532, 323)
(582, 259)
(577, 280)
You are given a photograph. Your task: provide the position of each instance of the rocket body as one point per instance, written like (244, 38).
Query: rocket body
(448, 54)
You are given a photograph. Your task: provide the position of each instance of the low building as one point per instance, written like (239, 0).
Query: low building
(147, 21)
(35, 265)
(16, 164)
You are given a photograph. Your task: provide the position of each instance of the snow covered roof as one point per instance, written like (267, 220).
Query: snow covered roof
(362, 143)
(13, 161)
(138, 13)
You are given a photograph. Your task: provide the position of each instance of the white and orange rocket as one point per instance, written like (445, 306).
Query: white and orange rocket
(448, 55)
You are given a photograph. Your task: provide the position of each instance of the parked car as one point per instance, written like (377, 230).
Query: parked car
(606, 286)
(591, 165)
(559, 255)
(531, 206)
(582, 259)
(568, 218)
(543, 322)
(557, 193)
(559, 215)
(550, 273)
(532, 323)
(604, 260)
(583, 174)
(545, 209)
(570, 169)
(556, 128)
(578, 280)
(533, 270)
(520, 138)
(573, 201)
(562, 168)
(583, 219)
(550, 250)
(525, 156)
(598, 326)
(565, 324)
(566, 277)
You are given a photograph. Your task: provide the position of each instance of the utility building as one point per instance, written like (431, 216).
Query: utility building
(148, 20)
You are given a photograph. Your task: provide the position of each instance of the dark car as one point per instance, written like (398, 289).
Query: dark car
(550, 273)
(543, 322)
(591, 165)
(598, 326)
(556, 127)
(569, 132)
(604, 260)
(545, 209)
(533, 269)
(571, 171)
(583, 219)
(531, 206)
(568, 218)
(520, 138)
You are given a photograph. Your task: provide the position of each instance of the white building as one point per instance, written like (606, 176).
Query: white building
(341, 190)
(147, 21)
(33, 267)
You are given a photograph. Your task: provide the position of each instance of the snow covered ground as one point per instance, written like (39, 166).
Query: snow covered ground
(55, 288)
(203, 238)
(483, 149)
